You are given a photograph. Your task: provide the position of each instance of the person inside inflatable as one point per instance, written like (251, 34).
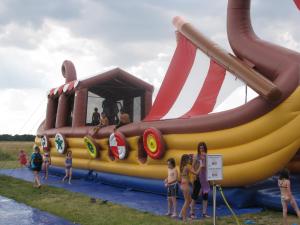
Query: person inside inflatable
(124, 118)
(104, 120)
(111, 110)
(95, 117)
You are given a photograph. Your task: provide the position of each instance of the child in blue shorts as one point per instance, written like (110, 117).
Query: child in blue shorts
(172, 187)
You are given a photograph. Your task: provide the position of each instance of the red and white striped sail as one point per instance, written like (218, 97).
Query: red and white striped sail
(297, 2)
(193, 85)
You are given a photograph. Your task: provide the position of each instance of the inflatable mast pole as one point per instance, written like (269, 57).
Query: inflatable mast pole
(254, 79)
(69, 72)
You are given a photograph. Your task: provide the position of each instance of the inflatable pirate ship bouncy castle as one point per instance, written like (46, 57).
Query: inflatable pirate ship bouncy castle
(256, 139)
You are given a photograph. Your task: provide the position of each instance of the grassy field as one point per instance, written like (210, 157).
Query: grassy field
(9, 151)
(78, 208)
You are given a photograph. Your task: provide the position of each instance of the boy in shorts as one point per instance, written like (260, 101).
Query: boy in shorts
(172, 187)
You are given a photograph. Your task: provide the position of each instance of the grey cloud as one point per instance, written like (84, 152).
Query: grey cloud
(34, 12)
(19, 75)
(120, 25)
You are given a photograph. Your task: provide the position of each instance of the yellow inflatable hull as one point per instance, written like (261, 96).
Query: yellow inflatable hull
(251, 152)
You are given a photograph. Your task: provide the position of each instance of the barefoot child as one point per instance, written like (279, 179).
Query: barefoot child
(22, 158)
(68, 165)
(36, 163)
(205, 187)
(47, 162)
(171, 184)
(185, 170)
(286, 194)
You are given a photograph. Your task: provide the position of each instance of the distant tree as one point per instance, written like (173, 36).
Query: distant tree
(17, 137)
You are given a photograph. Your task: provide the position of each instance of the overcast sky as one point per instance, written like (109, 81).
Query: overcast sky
(136, 35)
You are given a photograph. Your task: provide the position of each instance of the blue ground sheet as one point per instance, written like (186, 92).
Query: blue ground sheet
(130, 197)
(12, 213)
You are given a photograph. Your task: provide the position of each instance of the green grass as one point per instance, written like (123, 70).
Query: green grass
(13, 147)
(75, 207)
(5, 156)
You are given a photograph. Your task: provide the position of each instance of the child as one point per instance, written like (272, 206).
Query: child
(185, 170)
(196, 185)
(22, 158)
(286, 194)
(36, 165)
(68, 165)
(171, 184)
(205, 187)
(47, 162)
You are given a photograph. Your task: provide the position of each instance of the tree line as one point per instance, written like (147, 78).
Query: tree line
(17, 137)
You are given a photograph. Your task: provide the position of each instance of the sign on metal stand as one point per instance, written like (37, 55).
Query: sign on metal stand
(214, 171)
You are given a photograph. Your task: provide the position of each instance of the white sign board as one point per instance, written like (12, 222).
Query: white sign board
(214, 167)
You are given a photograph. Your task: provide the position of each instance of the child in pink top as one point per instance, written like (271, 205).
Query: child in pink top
(22, 158)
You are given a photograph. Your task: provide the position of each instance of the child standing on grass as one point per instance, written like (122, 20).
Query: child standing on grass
(172, 187)
(185, 171)
(68, 165)
(205, 187)
(36, 163)
(47, 162)
(286, 194)
(22, 158)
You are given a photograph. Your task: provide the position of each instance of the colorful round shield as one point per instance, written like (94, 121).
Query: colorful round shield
(45, 143)
(153, 143)
(91, 146)
(60, 143)
(118, 146)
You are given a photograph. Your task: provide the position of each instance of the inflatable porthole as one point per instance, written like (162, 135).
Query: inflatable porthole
(118, 145)
(91, 146)
(60, 143)
(45, 143)
(153, 143)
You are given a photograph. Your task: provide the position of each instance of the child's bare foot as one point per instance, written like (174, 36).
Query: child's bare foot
(174, 215)
(192, 216)
(204, 215)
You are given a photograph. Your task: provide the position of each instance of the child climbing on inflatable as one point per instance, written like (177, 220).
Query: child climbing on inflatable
(185, 171)
(36, 163)
(68, 166)
(47, 162)
(286, 194)
(172, 187)
(22, 158)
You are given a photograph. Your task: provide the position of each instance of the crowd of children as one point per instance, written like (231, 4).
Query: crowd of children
(192, 174)
(39, 162)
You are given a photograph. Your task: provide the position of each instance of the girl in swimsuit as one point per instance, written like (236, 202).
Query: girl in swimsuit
(185, 170)
(68, 165)
(286, 194)
(47, 163)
